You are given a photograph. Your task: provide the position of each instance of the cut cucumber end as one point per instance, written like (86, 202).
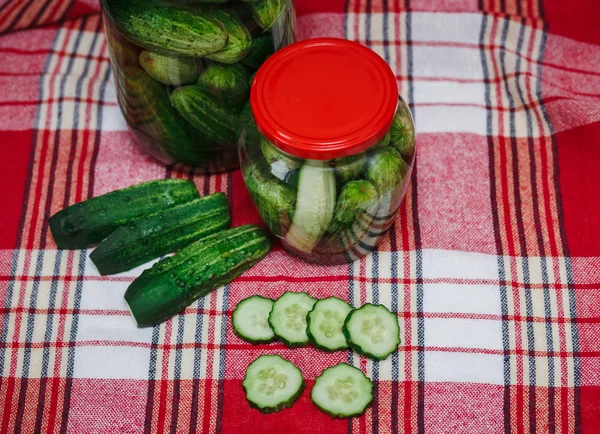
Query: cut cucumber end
(250, 320)
(288, 318)
(325, 322)
(342, 391)
(272, 383)
(373, 331)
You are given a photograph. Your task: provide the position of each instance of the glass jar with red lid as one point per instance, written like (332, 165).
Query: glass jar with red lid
(326, 148)
(182, 70)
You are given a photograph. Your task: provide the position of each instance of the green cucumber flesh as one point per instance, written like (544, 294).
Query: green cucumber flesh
(272, 383)
(86, 223)
(315, 206)
(342, 391)
(175, 282)
(325, 322)
(288, 317)
(161, 233)
(250, 320)
(373, 331)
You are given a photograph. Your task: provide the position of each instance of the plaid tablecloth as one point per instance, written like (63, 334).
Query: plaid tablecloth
(493, 265)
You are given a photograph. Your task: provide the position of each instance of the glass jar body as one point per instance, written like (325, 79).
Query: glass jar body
(183, 71)
(329, 211)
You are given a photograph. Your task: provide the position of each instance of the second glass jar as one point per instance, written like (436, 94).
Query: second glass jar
(352, 201)
(183, 71)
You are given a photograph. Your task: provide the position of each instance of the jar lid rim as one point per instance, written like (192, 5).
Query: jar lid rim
(324, 98)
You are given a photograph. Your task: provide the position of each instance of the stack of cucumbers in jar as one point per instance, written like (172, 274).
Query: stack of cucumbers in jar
(330, 211)
(184, 68)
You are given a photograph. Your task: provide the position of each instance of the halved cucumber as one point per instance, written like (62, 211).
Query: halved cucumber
(250, 320)
(372, 330)
(288, 317)
(342, 391)
(315, 205)
(324, 324)
(272, 383)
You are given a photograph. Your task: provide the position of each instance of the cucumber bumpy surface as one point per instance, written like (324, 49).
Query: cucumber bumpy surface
(272, 383)
(250, 320)
(342, 391)
(373, 331)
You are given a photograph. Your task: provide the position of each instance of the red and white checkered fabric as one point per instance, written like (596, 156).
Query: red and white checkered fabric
(493, 265)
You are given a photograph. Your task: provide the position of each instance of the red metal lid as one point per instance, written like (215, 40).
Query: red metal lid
(324, 98)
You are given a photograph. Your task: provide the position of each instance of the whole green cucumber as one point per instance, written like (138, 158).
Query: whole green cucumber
(247, 129)
(267, 12)
(350, 168)
(403, 133)
(262, 47)
(385, 141)
(201, 109)
(149, 108)
(172, 70)
(86, 223)
(161, 233)
(275, 200)
(239, 41)
(175, 282)
(356, 197)
(386, 169)
(179, 30)
(229, 83)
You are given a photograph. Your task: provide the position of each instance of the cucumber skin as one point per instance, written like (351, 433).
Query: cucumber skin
(357, 348)
(266, 12)
(161, 233)
(146, 22)
(229, 83)
(239, 41)
(170, 70)
(338, 416)
(203, 111)
(281, 406)
(274, 200)
(86, 223)
(282, 339)
(244, 338)
(175, 282)
(311, 338)
(262, 47)
(148, 110)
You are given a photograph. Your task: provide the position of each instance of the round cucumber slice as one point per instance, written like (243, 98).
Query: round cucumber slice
(272, 383)
(342, 391)
(324, 324)
(250, 320)
(373, 331)
(288, 317)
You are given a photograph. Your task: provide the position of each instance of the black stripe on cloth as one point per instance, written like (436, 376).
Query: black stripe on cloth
(20, 14)
(54, 290)
(198, 351)
(221, 384)
(78, 288)
(417, 238)
(563, 238)
(177, 373)
(496, 224)
(518, 207)
(97, 39)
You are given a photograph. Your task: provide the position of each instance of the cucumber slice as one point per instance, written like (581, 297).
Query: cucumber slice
(250, 320)
(324, 324)
(288, 317)
(373, 331)
(272, 383)
(342, 391)
(315, 205)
